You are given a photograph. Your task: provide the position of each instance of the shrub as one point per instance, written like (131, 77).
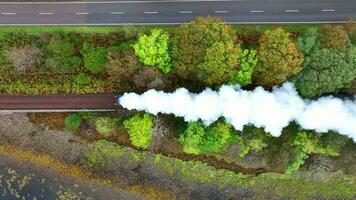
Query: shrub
(101, 154)
(308, 40)
(150, 78)
(248, 62)
(94, 58)
(24, 58)
(279, 58)
(72, 122)
(335, 37)
(61, 56)
(198, 139)
(82, 79)
(205, 50)
(139, 128)
(122, 66)
(106, 125)
(325, 71)
(305, 144)
(153, 50)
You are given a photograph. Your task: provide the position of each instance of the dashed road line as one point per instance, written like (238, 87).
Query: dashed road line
(291, 11)
(117, 13)
(328, 10)
(81, 13)
(221, 11)
(8, 13)
(151, 12)
(185, 12)
(257, 11)
(45, 13)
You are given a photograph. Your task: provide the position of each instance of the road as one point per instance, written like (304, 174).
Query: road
(175, 11)
(58, 103)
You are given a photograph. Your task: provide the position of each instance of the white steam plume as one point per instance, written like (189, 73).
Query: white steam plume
(270, 110)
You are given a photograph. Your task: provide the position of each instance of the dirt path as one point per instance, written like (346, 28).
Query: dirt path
(47, 102)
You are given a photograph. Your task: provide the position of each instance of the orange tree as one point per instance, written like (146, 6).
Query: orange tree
(205, 50)
(279, 58)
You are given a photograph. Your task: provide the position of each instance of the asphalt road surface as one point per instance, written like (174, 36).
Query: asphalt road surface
(92, 102)
(175, 11)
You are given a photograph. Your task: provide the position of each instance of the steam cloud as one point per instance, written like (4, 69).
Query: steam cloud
(269, 110)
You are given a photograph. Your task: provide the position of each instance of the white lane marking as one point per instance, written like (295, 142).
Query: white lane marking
(118, 2)
(81, 13)
(45, 13)
(257, 11)
(151, 12)
(185, 12)
(8, 13)
(117, 13)
(328, 10)
(291, 11)
(221, 11)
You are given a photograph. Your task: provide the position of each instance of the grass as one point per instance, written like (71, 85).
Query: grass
(107, 29)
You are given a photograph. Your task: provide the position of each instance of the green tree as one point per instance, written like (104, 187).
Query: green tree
(94, 58)
(153, 50)
(139, 128)
(326, 71)
(308, 40)
(205, 50)
(72, 122)
(249, 60)
(198, 139)
(279, 58)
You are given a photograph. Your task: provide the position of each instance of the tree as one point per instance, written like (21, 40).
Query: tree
(139, 128)
(205, 50)
(308, 40)
(335, 36)
(153, 50)
(350, 28)
(94, 58)
(325, 71)
(24, 58)
(248, 62)
(279, 58)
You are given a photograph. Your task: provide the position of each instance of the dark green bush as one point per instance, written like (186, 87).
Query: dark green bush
(72, 122)
(94, 58)
(61, 56)
(83, 79)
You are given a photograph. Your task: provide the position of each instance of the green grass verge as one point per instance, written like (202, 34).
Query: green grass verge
(106, 29)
